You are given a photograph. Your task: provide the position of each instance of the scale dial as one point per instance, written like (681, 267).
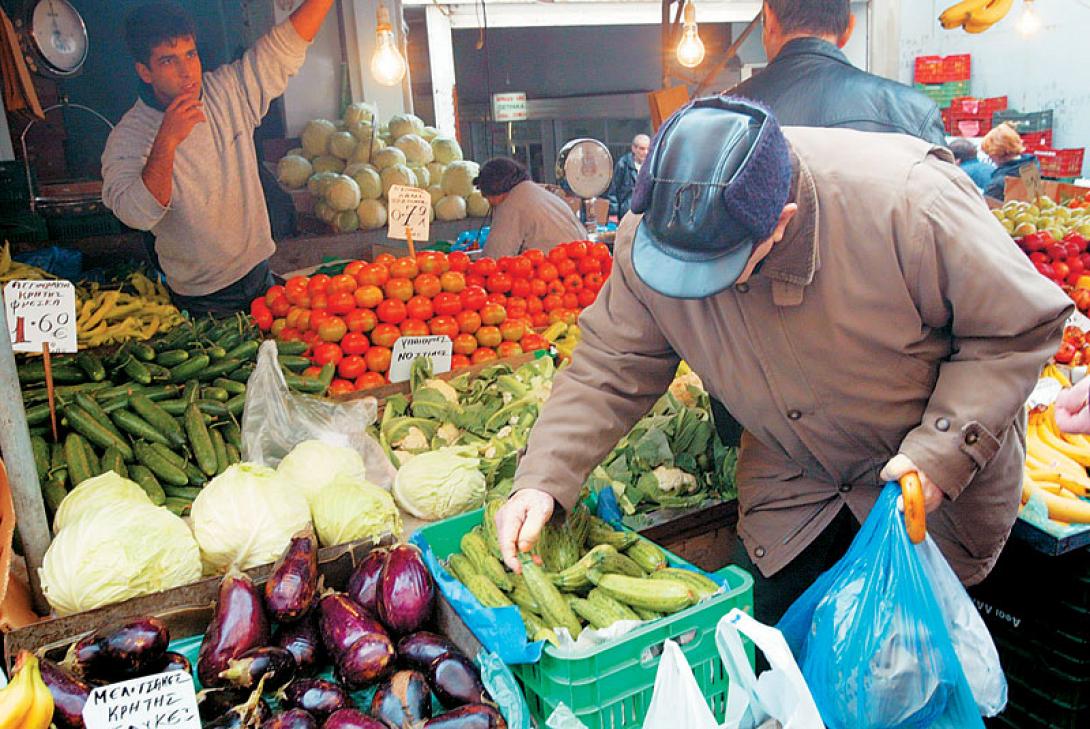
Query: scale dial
(587, 166)
(58, 36)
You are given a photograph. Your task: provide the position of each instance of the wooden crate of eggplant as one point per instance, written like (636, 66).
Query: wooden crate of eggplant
(294, 653)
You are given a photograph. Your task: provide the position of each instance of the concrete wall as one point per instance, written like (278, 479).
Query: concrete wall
(1039, 72)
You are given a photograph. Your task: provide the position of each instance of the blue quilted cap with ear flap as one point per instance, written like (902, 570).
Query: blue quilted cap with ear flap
(714, 185)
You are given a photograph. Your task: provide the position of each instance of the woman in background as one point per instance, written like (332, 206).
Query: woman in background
(1007, 151)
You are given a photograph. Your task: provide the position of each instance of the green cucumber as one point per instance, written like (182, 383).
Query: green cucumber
(196, 476)
(41, 456)
(58, 469)
(233, 435)
(53, 492)
(172, 357)
(172, 457)
(95, 410)
(246, 350)
(159, 373)
(229, 341)
(182, 492)
(113, 461)
(293, 362)
(137, 371)
(308, 385)
(232, 387)
(31, 372)
(178, 507)
(233, 456)
(136, 426)
(199, 440)
(173, 407)
(210, 392)
(87, 426)
(220, 368)
(92, 366)
(37, 414)
(211, 407)
(189, 368)
(219, 446)
(111, 392)
(142, 351)
(108, 406)
(242, 374)
(236, 405)
(76, 456)
(158, 418)
(163, 469)
(161, 392)
(142, 475)
(292, 348)
(192, 390)
(216, 352)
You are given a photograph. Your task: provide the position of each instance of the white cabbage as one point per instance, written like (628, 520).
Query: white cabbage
(402, 124)
(372, 214)
(117, 553)
(396, 175)
(317, 182)
(367, 178)
(440, 483)
(95, 494)
(327, 163)
(359, 111)
(423, 177)
(366, 150)
(293, 171)
(429, 133)
(451, 207)
(349, 510)
(417, 151)
(458, 178)
(315, 137)
(342, 193)
(346, 221)
(446, 150)
(324, 212)
(388, 157)
(343, 145)
(313, 463)
(246, 517)
(477, 205)
(437, 194)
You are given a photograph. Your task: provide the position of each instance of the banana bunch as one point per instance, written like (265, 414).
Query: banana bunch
(26, 703)
(1056, 465)
(564, 336)
(10, 269)
(975, 16)
(109, 316)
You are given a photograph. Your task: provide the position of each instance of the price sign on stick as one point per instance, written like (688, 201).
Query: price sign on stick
(438, 348)
(41, 312)
(162, 701)
(409, 216)
(1031, 178)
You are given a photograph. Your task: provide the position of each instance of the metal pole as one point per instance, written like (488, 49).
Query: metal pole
(22, 473)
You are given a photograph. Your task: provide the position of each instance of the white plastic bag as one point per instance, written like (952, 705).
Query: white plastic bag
(677, 700)
(970, 637)
(276, 419)
(779, 697)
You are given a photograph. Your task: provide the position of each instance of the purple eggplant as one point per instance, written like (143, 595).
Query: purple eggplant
(250, 715)
(316, 696)
(133, 649)
(215, 702)
(470, 716)
(291, 719)
(363, 584)
(343, 622)
(421, 649)
(304, 641)
(456, 681)
(238, 625)
(369, 659)
(293, 585)
(352, 719)
(175, 662)
(69, 694)
(406, 593)
(403, 701)
(275, 665)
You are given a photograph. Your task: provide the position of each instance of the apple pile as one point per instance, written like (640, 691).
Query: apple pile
(1074, 349)
(488, 308)
(1065, 261)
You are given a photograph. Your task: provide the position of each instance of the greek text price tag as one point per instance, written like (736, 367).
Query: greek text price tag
(162, 701)
(41, 312)
(438, 348)
(410, 207)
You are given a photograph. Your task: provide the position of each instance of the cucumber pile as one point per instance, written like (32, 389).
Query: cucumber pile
(590, 575)
(163, 413)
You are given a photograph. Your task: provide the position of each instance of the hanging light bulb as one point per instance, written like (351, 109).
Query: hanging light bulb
(1029, 22)
(690, 51)
(387, 65)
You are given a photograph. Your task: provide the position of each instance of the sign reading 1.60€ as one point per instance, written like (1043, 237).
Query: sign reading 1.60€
(41, 313)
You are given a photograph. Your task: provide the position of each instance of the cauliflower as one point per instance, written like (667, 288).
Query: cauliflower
(674, 480)
(415, 440)
(448, 433)
(444, 389)
(680, 388)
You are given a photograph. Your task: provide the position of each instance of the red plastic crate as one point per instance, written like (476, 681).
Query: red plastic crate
(929, 70)
(974, 106)
(957, 68)
(1060, 162)
(969, 125)
(1037, 140)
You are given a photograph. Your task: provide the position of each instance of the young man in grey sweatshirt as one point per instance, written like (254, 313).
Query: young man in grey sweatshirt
(181, 162)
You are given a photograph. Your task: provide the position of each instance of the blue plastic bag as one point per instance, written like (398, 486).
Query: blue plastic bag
(871, 639)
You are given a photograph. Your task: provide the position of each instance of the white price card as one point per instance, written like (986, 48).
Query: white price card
(1045, 393)
(163, 701)
(438, 348)
(41, 312)
(410, 208)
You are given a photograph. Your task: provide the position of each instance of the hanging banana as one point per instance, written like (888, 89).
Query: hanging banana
(975, 16)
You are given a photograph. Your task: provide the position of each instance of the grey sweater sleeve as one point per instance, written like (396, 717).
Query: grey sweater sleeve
(263, 72)
(123, 188)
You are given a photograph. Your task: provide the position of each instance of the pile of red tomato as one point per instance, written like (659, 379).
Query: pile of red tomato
(489, 308)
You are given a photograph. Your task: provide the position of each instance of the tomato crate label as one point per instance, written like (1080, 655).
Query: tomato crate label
(163, 701)
(410, 208)
(41, 312)
(438, 348)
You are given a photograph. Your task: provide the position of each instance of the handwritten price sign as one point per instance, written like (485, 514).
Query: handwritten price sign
(410, 209)
(162, 701)
(437, 348)
(41, 312)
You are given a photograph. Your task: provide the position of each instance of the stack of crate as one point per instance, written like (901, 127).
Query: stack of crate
(943, 78)
(971, 117)
(1035, 128)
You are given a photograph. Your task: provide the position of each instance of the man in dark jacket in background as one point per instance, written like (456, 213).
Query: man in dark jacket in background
(624, 176)
(809, 82)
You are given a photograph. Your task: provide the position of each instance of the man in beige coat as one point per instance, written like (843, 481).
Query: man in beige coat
(850, 299)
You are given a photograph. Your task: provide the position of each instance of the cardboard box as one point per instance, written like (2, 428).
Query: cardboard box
(1058, 191)
(186, 610)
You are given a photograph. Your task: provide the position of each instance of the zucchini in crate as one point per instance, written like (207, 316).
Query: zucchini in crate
(473, 546)
(666, 596)
(554, 608)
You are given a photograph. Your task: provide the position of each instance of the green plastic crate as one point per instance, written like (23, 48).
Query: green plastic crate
(611, 687)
